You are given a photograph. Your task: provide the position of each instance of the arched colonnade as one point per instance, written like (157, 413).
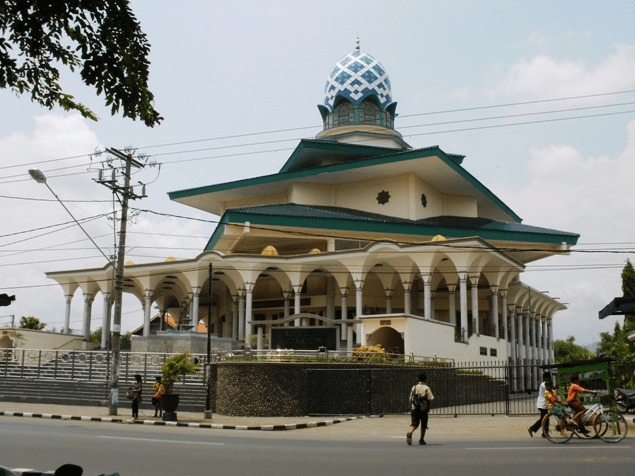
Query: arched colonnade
(466, 283)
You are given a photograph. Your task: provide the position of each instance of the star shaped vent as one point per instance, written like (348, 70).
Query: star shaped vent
(383, 197)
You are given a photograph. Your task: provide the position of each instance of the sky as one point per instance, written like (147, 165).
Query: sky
(539, 96)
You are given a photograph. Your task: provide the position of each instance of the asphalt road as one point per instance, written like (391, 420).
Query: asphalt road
(364, 447)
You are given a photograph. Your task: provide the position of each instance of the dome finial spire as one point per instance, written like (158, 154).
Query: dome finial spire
(357, 43)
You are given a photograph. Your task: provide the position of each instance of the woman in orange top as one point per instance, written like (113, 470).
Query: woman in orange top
(574, 403)
(156, 400)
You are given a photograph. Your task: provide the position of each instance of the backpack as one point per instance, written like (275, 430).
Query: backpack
(420, 403)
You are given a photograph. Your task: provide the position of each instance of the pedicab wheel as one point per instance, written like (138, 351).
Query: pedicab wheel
(611, 426)
(555, 430)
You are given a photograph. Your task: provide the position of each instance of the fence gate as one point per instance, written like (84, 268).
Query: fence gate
(466, 389)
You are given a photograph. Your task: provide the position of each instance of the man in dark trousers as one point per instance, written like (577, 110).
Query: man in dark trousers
(541, 405)
(417, 414)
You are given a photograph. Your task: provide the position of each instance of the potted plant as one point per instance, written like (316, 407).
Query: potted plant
(176, 366)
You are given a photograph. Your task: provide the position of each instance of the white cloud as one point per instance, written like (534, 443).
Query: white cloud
(592, 196)
(546, 77)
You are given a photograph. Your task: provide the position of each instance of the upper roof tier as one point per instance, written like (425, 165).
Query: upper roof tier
(355, 77)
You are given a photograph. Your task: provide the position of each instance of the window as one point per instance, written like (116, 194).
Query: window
(483, 350)
(492, 352)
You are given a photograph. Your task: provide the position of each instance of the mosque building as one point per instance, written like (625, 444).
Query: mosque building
(359, 239)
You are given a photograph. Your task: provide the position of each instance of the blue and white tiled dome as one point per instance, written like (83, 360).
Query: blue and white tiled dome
(355, 77)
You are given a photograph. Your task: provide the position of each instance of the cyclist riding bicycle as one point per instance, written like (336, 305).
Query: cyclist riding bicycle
(574, 403)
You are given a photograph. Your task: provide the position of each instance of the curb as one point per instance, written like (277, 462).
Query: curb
(214, 426)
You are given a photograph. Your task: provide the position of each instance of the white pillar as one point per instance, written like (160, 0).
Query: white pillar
(475, 320)
(427, 299)
(550, 340)
(330, 297)
(248, 311)
(521, 348)
(344, 330)
(452, 303)
(147, 310)
(241, 316)
(463, 300)
(407, 298)
(495, 310)
(504, 315)
(296, 305)
(235, 317)
(67, 315)
(389, 301)
(359, 310)
(260, 333)
(88, 304)
(512, 344)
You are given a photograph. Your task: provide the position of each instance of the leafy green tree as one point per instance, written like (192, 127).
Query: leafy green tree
(568, 351)
(617, 344)
(96, 336)
(31, 322)
(101, 38)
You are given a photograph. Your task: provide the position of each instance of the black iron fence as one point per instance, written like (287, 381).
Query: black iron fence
(477, 388)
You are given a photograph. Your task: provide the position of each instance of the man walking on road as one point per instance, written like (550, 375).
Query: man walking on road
(541, 405)
(419, 409)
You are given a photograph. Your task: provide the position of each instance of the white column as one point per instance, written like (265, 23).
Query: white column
(452, 303)
(235, 317)
(344, 330)
(241, 315)
(512, 343)
(296, 305)
(287, 304)
(248, 310)
(388, 300)
(521, 348)
(407, 298)
(545, 348)
(260, 333)
(88, 304)
(504, 316)
(550, 340)
(358, 310)
(427, 299)
(67, 315)
(330, 297)
(495, 310)
(105, 321)
(463, 301)
(475, 319)
(147, 310)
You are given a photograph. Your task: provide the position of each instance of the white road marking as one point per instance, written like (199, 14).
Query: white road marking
(163, 441)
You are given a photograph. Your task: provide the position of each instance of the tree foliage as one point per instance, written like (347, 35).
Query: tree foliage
(31, 322)
(101, 38)
(617, 344)
(568, 351)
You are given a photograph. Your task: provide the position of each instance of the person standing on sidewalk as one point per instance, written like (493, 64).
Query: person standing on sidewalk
(159, 390)
(541, 404)
(136, 396)
(418, 414)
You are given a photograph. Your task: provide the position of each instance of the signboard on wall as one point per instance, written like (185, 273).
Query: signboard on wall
(304, 338)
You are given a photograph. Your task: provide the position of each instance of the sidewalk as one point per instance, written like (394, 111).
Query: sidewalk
(468, 426)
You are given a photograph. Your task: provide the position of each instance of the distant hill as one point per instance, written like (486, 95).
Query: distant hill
(593, 346)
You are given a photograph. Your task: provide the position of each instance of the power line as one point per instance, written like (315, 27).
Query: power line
(451, 111)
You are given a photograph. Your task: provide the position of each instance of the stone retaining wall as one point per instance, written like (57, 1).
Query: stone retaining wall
(296, 389)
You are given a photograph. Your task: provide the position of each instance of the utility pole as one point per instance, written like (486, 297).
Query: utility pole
(126, 192)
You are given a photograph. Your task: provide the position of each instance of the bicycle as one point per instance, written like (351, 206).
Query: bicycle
(609, 425)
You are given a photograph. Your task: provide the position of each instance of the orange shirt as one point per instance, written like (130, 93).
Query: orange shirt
(574, 389)
(159, 390)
